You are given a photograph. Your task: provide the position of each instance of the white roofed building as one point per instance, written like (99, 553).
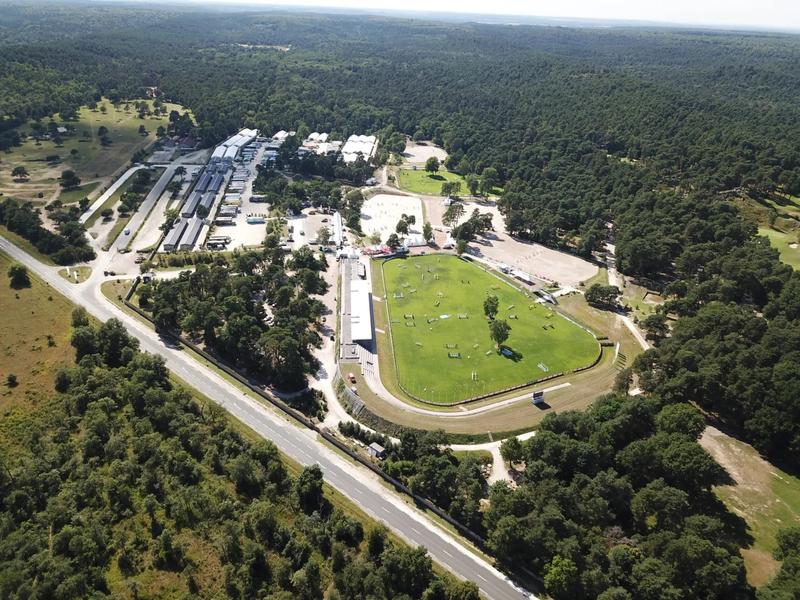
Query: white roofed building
(360, 311)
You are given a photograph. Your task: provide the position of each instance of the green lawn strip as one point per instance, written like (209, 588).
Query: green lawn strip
(782, 243)
(110, 202)
(484, 456)
(443, 358)
(600, 277)
(25, 245)
(68, 273)
(73, 196)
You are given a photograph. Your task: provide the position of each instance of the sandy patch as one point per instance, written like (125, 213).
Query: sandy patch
(417, 153)
(381, 212)
(540, 261)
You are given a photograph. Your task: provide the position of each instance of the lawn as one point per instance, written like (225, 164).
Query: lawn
(419, 181)
(785, 243)
(76, 195)
(91, 161)
(435, 307)
(76, 274)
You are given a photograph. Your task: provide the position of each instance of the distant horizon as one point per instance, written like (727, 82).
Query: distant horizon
(773, 16)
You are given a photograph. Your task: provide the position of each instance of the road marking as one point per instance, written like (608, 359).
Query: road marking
(482, 577)
(448, 554)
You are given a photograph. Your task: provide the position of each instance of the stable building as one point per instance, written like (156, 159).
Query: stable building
(189, 239)
(174, 236)
(190, 206)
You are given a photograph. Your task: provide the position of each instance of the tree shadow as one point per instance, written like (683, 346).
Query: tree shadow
(436, 177)
(20, 285)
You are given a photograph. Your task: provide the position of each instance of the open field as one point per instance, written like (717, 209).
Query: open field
(767, 498)
(34, 343)
(435, 305)
(76, 195)
(785, 243)
(91, 161)
(419, 181)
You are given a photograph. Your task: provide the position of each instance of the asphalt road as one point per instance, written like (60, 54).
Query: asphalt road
(107, 194)
(301, 444)
(138, 218)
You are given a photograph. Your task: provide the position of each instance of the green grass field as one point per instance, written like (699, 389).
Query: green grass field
(445, 296)
(421, 182)
(76, 195)
(783, 242)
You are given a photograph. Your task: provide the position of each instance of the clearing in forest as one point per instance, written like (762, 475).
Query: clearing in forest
(440, 334)
(81, 150)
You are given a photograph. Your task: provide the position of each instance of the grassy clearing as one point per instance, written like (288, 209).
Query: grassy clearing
(435, 307)
(91, 160)
(419, 181)
(34, 343)
(641, 301)
(785, 243)
(74, 196)
(767, 498)
(76, 274)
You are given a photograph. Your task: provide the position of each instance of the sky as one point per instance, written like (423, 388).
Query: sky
(756, 14)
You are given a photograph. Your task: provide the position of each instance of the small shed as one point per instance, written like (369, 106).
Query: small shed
(376, 450)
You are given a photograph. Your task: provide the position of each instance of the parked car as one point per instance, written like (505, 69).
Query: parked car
(351, 378)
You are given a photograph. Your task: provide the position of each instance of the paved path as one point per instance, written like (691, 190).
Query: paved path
(146, 206)
(301, 444)
(107, 194)
(614, 278)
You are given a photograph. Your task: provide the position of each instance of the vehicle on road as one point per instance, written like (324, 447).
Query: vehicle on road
(127, 232)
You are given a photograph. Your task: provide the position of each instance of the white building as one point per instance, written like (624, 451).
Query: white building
(360, 311)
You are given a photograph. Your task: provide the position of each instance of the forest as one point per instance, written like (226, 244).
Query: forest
(635, 136)
(258, 312)
(65, 246)
(136, 485)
